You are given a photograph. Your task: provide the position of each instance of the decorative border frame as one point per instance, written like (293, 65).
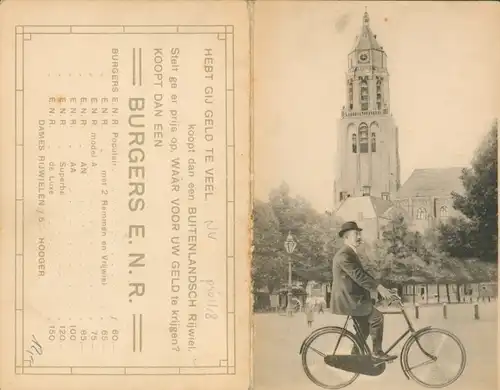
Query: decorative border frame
(225, 33)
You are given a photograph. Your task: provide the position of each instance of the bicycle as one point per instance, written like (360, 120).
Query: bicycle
(296, 307)
(363, 361)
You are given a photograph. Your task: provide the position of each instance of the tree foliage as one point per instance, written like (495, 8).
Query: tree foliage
(458, 237)
(403, 255)
(268, 262)
(316, 236)
(477, 234)
(400, 255)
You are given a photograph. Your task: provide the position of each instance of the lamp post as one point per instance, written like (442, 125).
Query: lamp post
(290, 245)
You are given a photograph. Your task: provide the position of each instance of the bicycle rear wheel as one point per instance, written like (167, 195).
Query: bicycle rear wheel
(323, 344)
(434, 358)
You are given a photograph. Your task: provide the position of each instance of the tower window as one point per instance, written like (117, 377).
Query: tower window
(443, 212)
(366, 190)
(364, 97)
(354, 143)
(374, 142)
(350, 95)
(385, 195)
(379, 94)
(421, 213)
(363, 138)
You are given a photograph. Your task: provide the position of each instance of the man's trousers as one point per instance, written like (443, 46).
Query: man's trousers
(373, 325)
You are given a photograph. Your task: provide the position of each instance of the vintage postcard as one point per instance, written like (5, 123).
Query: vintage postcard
(248, 195)
(125, 195)
(375, 208)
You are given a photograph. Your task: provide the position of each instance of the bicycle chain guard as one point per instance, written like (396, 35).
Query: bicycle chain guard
(361, 364)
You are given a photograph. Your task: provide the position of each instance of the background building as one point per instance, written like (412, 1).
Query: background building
(368, 156)
(367, 185)
(371, 214)
(426, 196)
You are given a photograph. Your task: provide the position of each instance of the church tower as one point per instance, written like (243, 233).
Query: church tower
(367, 137)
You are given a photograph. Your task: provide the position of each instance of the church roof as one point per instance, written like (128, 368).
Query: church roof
(432, 182)
(368, 206)
(366, 39)
(380, 205)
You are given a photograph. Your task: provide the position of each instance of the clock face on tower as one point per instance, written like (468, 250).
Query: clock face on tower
(363, 56)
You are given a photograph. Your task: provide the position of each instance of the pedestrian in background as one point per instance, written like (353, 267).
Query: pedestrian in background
(309, 314)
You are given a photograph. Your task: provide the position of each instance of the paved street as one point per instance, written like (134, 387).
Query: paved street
(277, 364)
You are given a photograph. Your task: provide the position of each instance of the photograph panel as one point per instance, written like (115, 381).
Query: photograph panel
(375, 209)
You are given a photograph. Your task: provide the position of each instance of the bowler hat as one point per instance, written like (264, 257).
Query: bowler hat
(351, 225)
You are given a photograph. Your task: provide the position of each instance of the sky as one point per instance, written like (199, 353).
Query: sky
(444, 85)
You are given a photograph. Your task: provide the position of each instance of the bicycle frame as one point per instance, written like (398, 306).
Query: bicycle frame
(410, 330)
(363, 362)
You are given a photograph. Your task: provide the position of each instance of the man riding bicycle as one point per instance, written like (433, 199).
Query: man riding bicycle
(352, 288)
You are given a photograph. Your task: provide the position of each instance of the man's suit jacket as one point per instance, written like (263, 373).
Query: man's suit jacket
(352, 285)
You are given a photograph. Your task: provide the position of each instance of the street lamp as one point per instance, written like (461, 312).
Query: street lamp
(290, 245)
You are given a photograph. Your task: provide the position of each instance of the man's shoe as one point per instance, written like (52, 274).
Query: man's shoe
(383, 357)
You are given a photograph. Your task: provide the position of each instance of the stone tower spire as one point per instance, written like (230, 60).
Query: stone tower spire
(367, 138)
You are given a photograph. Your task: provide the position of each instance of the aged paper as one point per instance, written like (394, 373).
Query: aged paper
(125, 195)
(365, 111)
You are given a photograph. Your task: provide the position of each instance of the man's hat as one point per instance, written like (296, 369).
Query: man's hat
(349, 226)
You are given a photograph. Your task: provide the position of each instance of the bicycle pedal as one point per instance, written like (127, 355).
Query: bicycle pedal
(382, 361)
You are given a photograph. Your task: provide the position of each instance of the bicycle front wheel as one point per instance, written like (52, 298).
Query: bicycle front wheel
(434, 358)
(323, 344)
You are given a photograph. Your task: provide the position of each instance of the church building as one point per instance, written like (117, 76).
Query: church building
(367, 187)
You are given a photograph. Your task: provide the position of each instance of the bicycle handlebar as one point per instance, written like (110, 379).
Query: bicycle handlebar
(396, 299)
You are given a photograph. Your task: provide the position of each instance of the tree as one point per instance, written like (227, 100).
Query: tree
(387, 259)
(324, 234)
(316, 235)
(268, 266)
(479, 202)
(400, 241)
(403, 255)
(376, 259)
(458, 238)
